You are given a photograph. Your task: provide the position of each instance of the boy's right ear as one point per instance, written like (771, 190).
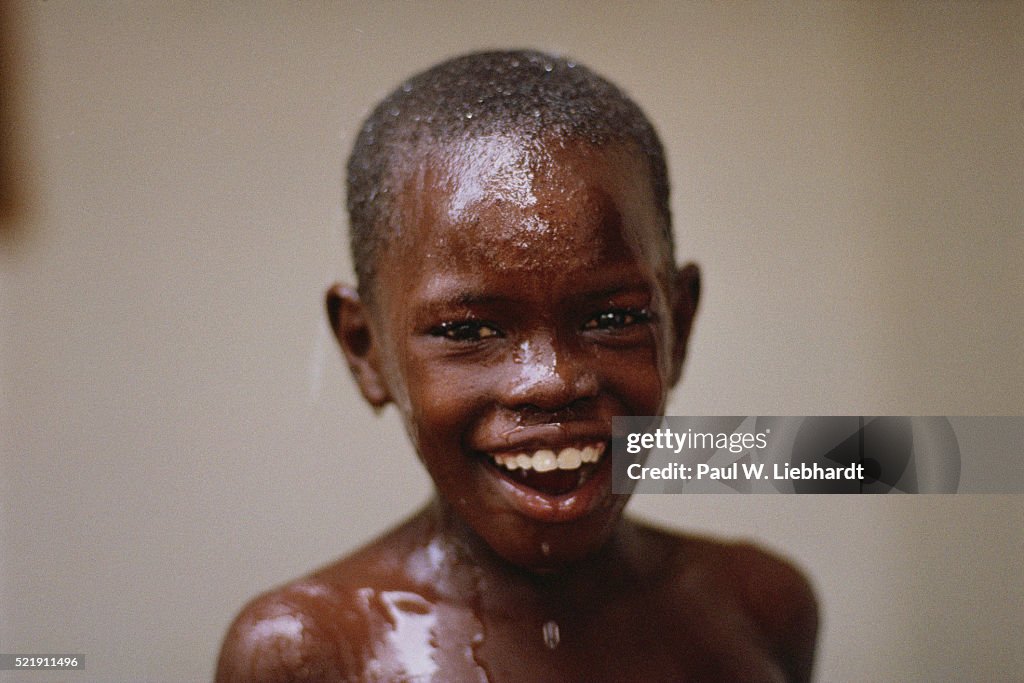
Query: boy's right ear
(350, 322)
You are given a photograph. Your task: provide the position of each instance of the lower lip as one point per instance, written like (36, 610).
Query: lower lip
(544, 507)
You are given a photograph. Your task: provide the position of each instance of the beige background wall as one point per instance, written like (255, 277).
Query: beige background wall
(179, 433)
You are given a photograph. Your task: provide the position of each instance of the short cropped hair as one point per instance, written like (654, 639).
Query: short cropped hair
(520, 92)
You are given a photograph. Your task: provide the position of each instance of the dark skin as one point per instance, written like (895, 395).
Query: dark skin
(529, 298)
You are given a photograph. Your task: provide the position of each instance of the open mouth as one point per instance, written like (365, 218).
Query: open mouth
(554, 473)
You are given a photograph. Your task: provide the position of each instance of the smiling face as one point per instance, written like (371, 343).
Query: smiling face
(527, 298)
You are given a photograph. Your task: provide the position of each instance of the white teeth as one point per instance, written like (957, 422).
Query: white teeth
(569, 459)
(545, 460)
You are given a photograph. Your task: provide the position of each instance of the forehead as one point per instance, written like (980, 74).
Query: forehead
(506, 204)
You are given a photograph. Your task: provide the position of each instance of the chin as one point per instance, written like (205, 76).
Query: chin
(546, 548)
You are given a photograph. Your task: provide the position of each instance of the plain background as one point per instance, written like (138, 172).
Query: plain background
(179, 433)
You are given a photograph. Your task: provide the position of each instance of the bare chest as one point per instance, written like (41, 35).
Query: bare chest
(411, 639)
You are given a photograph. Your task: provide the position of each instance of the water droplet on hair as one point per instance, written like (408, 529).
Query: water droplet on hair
(394, 111)
(551, 635)
(571, 65)
(469, 114)
(548, 66)
(407, 87)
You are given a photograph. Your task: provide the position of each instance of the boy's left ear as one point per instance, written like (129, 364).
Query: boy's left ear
(684, 310)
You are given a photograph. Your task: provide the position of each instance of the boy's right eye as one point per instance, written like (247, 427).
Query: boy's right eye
(465, 330)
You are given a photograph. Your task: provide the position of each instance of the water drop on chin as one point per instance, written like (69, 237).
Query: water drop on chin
(551, 635)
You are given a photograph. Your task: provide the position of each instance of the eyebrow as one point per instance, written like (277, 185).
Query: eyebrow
(625, 288)
(446, 290)
(468, 299)
(450, 292)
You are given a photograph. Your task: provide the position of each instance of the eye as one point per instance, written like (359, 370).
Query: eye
(465, 331)
(618, 318)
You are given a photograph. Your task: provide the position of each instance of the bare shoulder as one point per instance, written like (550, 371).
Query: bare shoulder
(780, 599)
(736, 596)
(776, 593)
(314, 628)
(291, 633)
(774, 596)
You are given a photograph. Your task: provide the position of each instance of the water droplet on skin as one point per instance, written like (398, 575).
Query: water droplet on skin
(480, 633)
(545, 549)
(551, 635)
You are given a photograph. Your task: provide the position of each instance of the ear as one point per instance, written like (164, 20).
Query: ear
(684, 310)
(350, 322)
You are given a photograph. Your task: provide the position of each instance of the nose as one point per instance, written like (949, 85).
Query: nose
(549, 374)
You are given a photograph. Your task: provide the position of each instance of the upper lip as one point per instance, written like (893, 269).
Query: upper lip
(554, 436)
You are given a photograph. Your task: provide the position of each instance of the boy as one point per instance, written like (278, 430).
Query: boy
(517, 288)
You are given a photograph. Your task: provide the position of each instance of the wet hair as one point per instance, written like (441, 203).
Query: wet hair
(520, 92)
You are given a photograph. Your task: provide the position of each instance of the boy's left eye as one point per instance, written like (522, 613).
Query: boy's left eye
(617, 318)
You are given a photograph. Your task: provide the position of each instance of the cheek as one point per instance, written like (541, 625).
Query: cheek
(443, 399)
(637, 379)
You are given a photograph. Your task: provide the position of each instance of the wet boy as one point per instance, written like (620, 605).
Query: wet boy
(517, 289)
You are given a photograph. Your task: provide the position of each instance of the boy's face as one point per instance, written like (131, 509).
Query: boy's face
(527, 299)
